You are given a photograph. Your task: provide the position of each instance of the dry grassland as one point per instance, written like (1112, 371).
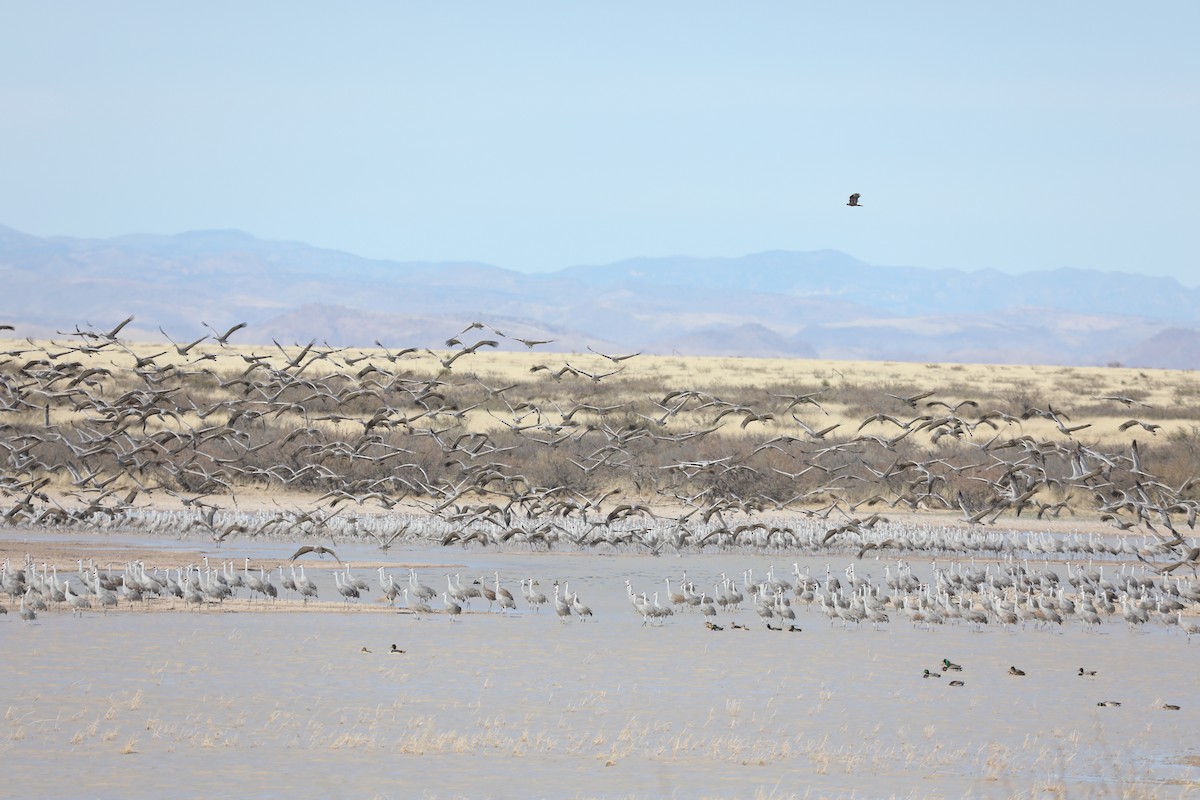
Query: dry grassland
(848, 391)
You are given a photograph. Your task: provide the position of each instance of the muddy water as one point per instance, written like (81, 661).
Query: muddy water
(245, 703)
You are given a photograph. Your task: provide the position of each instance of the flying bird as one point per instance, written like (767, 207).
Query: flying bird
(318, 549)
(1150, 426)
(223, 338)
(531, 343)
(854, 200)
(112, 335)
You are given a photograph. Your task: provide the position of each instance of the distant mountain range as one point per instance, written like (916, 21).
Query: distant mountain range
(819, 304)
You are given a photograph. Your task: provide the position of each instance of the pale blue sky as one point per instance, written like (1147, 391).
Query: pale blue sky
(536, 135)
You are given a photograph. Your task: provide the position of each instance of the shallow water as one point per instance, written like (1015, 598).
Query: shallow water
(272, 705)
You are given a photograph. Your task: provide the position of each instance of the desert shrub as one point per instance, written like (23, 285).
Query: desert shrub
(1177, 460)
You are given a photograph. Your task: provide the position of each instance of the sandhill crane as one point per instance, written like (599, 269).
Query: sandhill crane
(182, 349)
(1190, 629)
(1128, 401)
(1149, 426)
(107, 599)
(305, 586)
(318, 549)
(489, 593)
(130, 592)
(531, 343)
(762, 607)
(581, 611)
(658, 611)
(387, 585)
(561, 607)
(345, 588)
(253, 582)
(911, 400)
(417, 605)
(357, 583)
(287, 581)
(28, 615)
(112, 335)
(77, 603)
(223, 339)
(471, 591)
(536, 599)
(676, 598)
(419, 590)
(452, 608)
(268, 588)
(457, 592)
(503, 596)
(191, 592)
(640, 604)
(232, 579)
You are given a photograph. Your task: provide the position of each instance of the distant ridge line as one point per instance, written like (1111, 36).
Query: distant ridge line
(823, 303)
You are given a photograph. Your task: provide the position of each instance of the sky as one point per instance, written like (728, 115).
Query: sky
(538, 135)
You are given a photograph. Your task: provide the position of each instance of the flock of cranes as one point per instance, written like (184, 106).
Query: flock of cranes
(1011, 594)
(40, 587)
(95, 434)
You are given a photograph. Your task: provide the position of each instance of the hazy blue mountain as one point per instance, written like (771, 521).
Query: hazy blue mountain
(749, 338)
(823, 303)
(907, 290)
(1173, 348)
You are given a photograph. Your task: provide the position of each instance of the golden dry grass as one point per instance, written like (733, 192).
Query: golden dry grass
(1169, 398)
